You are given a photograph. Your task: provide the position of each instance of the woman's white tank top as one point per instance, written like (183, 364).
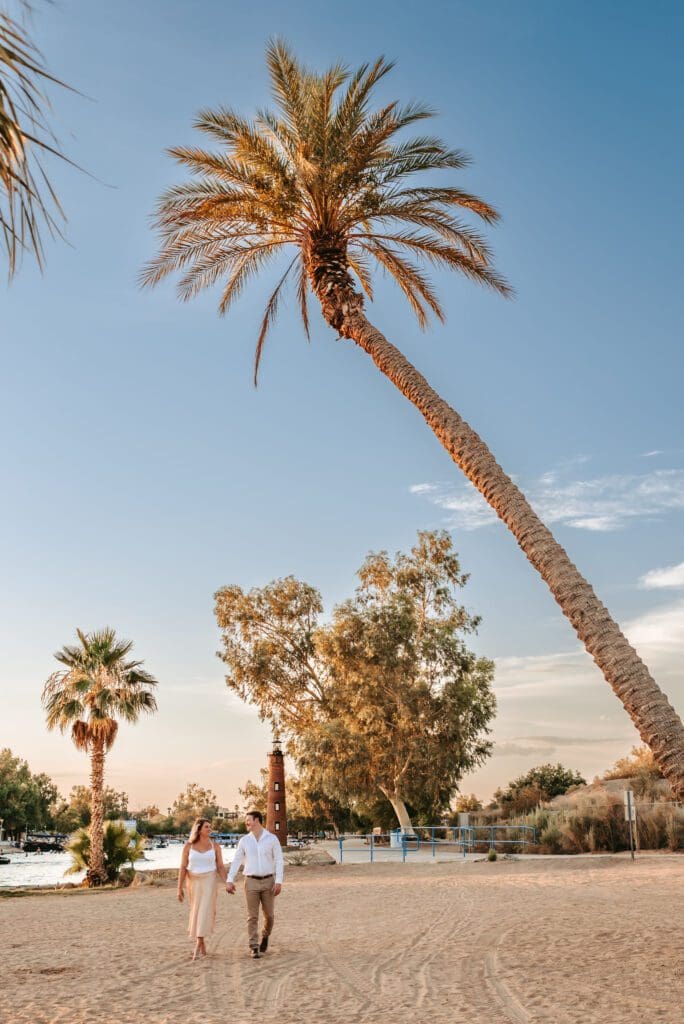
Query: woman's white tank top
(199, 862)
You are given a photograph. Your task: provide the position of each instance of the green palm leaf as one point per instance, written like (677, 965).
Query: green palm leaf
(28, 202)
(325, 176)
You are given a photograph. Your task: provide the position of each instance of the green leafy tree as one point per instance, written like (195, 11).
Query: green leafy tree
(328, 181)
(386, 699)
(26, 800)
(467, 803)
(120, 846)
(194, 802)
(148, 813)
(308, 809)
(255, 794)
(98, 685)
(538, 785)
(76, 811)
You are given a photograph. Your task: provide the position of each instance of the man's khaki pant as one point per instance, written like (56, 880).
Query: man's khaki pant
(259, 893)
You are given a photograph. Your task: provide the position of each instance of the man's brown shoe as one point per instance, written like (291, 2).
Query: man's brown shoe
(264, 943)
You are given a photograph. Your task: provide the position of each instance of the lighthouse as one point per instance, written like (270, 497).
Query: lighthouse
(276, 814)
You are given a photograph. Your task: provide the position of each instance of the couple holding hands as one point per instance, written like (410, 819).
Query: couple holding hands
(202, 866)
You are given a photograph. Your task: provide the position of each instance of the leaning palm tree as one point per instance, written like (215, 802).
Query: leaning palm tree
(28, 203)
(330, 179)
(98, 685)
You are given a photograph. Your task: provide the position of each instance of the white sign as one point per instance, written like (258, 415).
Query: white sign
(630, 806)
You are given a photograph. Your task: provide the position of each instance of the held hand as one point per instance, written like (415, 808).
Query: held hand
(181, 895)
(230, 887)
(277, 888)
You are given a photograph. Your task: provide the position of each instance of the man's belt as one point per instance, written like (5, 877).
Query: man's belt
(260, 877)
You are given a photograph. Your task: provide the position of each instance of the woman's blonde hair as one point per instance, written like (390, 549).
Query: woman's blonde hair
(197, 828)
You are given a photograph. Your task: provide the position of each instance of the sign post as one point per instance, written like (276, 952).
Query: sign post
(630, 816)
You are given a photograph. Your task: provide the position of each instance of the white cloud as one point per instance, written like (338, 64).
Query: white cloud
(543, 674)
(557, 707)
(599, 504)
(649, 455)
(596, 523)
(671, 576)
(547, 746)
(657, 636)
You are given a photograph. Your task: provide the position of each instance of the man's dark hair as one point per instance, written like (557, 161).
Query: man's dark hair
(256, 814)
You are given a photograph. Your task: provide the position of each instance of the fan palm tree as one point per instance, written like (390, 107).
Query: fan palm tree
(119, 847)
(28, 202)
(98, 685)
(326, 177)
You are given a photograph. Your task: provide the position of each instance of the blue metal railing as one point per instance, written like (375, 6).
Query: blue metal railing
(437, 838)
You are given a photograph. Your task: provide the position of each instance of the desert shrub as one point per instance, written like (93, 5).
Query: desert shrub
(550, 839)
(674, 829)
(661, 826)
(593, 821)
(537, 786)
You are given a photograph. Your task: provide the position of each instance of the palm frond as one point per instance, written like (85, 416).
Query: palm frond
(100, 684)
(410, 279)
(269, 316)
(28, 202)
(326, 173)
(288, 79)
(302, 292)
(247, 265)
(361, 268)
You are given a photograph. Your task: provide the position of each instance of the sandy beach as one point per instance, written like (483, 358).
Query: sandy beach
(553, 941)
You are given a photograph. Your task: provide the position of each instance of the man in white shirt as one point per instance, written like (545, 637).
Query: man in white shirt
(263, 858)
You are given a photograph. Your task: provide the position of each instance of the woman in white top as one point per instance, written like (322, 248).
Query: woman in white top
(202, 865)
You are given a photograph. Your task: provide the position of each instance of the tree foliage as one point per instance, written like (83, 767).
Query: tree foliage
(385, 699)
(98, 685)
(28, 203)
(308, 809)
(26, 799)
(326, 181)
(120, 847)
(645, 776)
(538, 785)
(640, 761)
(255, 794)
(75, 812)
(194, 802)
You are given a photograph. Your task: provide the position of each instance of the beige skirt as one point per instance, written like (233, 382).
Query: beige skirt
(202, 893)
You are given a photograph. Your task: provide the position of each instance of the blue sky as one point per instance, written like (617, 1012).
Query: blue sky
(142, 471)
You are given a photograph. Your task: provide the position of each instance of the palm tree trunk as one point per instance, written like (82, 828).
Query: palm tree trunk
(96, 871)
(656, 720)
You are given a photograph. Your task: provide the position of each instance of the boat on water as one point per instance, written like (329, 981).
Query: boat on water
(5, 860)
(44, 842)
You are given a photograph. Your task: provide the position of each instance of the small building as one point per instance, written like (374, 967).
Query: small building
(225, 814)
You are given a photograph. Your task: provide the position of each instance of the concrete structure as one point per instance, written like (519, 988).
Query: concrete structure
(226, 814)
(276, 813)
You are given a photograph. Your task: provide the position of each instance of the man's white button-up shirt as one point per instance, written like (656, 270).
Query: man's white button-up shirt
(262, 857)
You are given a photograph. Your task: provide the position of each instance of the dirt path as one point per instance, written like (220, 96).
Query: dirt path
(531, 942)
